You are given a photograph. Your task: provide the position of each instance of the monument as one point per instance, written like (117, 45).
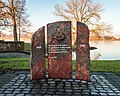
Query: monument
(59, 50)
(82, 52)
(38, 67)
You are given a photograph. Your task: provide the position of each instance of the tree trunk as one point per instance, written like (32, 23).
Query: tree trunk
(19, 28)
(15, 31)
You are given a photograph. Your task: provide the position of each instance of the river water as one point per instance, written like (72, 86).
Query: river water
(106, 50)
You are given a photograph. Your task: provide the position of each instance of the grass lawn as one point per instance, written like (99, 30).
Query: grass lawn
(14, 64)
(106, 66)
(24, 64)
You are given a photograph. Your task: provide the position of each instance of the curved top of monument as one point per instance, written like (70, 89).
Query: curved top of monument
(65, 22)
(59, 22)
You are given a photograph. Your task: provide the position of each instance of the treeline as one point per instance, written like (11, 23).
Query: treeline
(13, 15)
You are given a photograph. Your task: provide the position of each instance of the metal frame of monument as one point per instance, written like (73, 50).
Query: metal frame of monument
(59, 50)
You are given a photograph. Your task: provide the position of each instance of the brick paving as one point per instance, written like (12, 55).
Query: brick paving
(101, 84)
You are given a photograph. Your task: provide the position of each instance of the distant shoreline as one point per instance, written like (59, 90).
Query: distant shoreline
(27, 39)
(105, 38)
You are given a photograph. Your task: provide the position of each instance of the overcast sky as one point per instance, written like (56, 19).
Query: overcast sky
(41, 13)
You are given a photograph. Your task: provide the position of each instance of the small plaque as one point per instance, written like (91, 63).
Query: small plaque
(38, 47)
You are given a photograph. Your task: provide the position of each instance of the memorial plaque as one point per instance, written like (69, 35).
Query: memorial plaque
(59, 50)
(38, 67)
(82, 52)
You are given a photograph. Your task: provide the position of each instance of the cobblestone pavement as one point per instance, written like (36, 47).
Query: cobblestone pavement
(21, 85)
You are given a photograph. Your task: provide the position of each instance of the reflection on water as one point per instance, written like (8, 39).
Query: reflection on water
(73, 56)
(106, 50)
(95, 55)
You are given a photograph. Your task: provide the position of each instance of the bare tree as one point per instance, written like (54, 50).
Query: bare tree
(85, 11)
(22, 22)
(8, 12)
(12, 12)
(101, 29)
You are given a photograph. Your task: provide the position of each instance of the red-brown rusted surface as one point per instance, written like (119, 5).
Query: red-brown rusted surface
(82, 52)
(38, 69)
(59, 50)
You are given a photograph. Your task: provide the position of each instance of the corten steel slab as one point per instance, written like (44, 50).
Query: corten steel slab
(82, 52)
(59, 50)
(38, 67)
